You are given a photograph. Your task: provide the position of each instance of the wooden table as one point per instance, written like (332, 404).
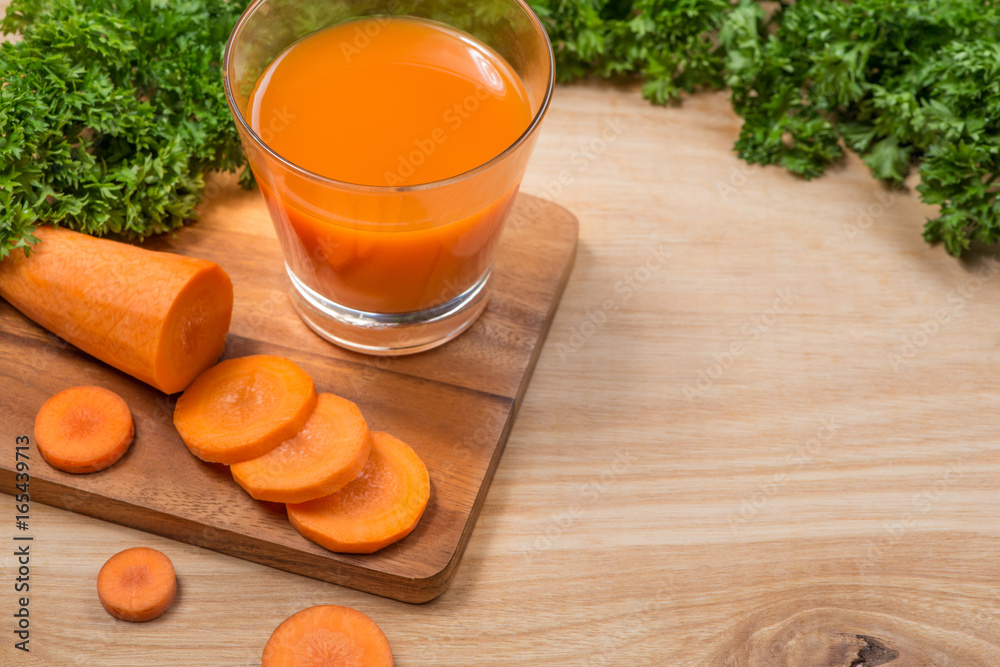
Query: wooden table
(762, 432)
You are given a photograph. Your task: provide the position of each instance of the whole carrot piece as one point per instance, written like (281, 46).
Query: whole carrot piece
(160, 317)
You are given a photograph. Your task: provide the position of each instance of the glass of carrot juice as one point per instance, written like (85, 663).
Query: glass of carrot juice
(389, 139)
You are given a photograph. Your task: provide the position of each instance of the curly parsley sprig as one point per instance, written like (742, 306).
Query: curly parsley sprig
(900, 83)
(111, 113)
(669, 43)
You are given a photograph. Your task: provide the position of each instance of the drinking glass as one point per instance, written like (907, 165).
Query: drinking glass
(383, 269)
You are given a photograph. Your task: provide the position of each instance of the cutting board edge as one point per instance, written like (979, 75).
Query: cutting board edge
(413, 590)
(133, 513)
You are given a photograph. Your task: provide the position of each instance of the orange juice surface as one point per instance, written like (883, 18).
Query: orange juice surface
(389, 102)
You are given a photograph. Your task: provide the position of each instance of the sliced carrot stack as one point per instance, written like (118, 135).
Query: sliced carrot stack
(327, 635)
(381, 506)
(137, 584)
(327, 454)
(83, 429)
(243, 408)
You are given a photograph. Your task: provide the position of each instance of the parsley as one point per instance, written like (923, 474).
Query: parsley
(901, 83)
(111, 112)
(669, 43)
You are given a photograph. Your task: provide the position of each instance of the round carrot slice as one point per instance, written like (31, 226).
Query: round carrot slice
(243, 408)
(327, 635)
(137, 584)
(83, 429)
(327, 454)
(381, 506)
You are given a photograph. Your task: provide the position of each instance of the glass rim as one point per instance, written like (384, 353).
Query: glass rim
(386, 189)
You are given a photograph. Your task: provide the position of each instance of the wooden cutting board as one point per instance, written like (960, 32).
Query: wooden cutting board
(454, 405)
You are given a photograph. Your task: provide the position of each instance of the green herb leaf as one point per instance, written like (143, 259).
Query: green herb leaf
(901, 83)
(111, 112)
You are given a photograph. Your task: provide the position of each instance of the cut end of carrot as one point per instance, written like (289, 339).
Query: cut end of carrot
(380, 507)
(160, 317)
(137, 584)
(84, 429)
(195, 328)
(326, 455)
(327, 635)
(243, 408)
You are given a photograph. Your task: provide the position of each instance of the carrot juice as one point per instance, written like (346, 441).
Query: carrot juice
(386, 107)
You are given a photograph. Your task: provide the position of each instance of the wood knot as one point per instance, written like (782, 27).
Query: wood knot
(798, 634)
(874, 653)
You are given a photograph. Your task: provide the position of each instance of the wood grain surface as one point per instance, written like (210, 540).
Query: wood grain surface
(454, 405)
(826, 495)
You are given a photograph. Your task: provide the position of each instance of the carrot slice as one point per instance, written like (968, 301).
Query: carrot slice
(327, 454)
(381, 506)
(137, 584)
(243, 408)
(83, 429)
(327, 635)
(160, 317)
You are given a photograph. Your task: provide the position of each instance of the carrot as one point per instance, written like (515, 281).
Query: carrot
(160, 317)
(381, 506)
(327, 635)
(83, 429)
(329, 451)
(243, 408)
(137, 584)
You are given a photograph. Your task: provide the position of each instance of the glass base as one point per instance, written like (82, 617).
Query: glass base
(389, 334)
